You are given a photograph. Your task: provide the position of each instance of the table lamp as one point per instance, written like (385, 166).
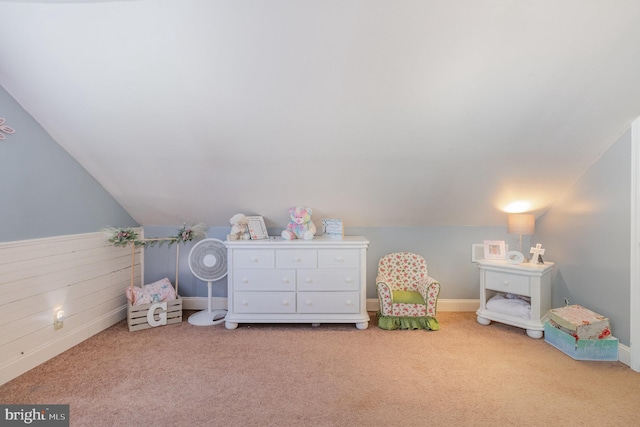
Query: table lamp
(521, 224)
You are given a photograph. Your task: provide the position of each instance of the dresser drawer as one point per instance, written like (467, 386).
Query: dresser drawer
(504, 282)
(264, 302)
(253, 258)
(328, 280)
(328, 302)
(264, 280)
(297, 258)
(339, 258)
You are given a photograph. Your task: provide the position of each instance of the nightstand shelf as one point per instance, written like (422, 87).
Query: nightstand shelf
(530, 280)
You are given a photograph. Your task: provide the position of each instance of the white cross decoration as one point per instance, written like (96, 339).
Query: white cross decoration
(537, 251)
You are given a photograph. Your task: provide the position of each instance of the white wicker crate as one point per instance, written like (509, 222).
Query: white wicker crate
(147, 316)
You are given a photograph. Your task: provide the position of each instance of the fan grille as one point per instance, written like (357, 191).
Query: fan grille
(208, 260)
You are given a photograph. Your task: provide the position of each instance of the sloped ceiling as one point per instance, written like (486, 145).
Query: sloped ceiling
(380, 112)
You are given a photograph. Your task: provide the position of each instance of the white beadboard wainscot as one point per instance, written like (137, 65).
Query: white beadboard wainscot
(83, 274)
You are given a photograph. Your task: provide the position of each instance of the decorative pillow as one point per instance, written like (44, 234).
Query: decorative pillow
(162, 290)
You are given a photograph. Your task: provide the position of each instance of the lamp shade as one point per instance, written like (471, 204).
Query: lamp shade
(522, 224)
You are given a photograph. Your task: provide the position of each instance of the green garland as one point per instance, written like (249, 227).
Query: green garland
(123, 237)
(187, 234)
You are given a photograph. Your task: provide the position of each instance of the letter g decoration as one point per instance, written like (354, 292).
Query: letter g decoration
(163, 315)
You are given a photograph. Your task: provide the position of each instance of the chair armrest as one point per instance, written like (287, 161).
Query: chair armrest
(384, 298)
(430, 289)
(383, 278)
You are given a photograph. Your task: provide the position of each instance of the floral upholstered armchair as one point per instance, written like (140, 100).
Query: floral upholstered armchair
(408, 296)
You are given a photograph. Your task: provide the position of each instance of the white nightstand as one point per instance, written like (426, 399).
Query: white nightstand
(532, 280)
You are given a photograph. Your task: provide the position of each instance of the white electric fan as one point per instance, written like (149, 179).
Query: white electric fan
(208, 262)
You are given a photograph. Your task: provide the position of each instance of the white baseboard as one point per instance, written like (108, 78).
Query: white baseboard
(29, 361)
(624, 354)
(201, 303)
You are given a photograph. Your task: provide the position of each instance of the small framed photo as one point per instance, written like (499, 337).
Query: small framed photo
(514, 257)
(332, 228)
(494, 249)
(257, 229)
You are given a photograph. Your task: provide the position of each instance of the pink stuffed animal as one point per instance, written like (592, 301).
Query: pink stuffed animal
(300, 226)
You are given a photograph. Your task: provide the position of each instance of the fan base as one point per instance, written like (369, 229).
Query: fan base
(207, 318)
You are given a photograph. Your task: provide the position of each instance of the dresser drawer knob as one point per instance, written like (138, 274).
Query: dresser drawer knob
(349, 280)
(309, 280)
(340, 259)
(308, 302)
(245, 280)
(285, 280)
(285, 302)
(506, 283)
(255, 259)
(349, 302)
(245, 302)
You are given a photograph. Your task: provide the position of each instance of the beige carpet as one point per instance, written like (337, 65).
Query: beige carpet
(332, 375)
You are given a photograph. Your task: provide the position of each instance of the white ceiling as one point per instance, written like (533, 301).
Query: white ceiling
(379, 112)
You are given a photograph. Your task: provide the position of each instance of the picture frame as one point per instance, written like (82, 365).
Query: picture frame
(514, 257)
(333, 228)
(494, 249)
(477, 251)
(257, 228)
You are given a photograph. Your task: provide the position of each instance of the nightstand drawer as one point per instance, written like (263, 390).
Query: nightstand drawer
(510, 283)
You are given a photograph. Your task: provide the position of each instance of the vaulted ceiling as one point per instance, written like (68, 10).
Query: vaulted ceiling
(414, 112)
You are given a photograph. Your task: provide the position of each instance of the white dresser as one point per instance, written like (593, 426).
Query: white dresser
(297, 281)
(530, 280)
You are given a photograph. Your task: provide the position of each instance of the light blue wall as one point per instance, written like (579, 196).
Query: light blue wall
(43, 191)
(587, 233)
(446, 249)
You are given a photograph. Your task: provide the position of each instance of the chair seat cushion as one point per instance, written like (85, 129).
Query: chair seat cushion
(406, 297)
